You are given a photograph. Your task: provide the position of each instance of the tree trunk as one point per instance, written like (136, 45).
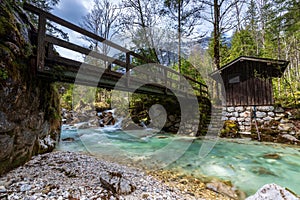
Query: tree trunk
(217, 41)
(179, 36)
(216, 34)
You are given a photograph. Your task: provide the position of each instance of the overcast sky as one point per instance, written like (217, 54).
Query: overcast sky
(72, 10)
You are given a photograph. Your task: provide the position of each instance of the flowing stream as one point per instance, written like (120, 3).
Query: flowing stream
(247, 164)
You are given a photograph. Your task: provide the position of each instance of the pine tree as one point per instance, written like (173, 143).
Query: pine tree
(242, 44)
(186, 14)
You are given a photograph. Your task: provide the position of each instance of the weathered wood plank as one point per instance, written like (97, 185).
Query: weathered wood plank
(77, 48)
(41, 42)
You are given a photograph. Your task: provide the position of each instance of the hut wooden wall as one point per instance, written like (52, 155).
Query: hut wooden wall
(254, 87)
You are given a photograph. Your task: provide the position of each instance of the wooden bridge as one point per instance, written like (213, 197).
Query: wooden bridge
(51, 66)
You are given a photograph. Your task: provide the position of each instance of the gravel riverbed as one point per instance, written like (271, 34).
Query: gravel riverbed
(74, 176)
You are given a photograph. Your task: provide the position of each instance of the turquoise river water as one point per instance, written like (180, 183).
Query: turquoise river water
(247, 164)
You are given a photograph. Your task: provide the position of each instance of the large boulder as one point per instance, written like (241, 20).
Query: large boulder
(271, 192)
(288, 139)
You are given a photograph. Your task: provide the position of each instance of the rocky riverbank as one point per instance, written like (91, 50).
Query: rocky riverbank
(66, 175)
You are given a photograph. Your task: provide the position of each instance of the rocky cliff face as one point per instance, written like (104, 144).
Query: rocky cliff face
(29, 108)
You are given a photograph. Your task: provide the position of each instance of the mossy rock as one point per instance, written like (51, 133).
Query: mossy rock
(230, 129)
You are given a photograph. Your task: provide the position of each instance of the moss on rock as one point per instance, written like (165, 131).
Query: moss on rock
(29, 106)
(230, 129)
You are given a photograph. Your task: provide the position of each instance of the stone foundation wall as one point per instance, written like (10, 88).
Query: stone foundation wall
(174, 119)
(244, 115)
(273, 124)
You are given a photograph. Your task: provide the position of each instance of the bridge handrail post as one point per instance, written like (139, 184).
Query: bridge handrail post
(128, 68)
(41, 42)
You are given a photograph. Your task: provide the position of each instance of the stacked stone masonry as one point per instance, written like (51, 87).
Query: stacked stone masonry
(246, 115)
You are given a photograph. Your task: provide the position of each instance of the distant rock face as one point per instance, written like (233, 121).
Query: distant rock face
(271, 192)
(29, 108)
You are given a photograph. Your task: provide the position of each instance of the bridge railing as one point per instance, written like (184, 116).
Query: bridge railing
(45, 54)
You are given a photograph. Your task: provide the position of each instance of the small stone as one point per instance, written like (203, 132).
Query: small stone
(2, 189)
(245, 114)
(277, 118)
(271, 114)
(239, 109)
(278, 110)
(265, 108)
(235, 114)
(267, 119)
(145, 196)
(260, 121)
(286, 127)
(183, 181)
(228, 114)
(261, 114)
(292, 133)
(224, 118)
(248, 119)
(280, 115)
(240, 119)
(66, 194)
(249, 108)
(242, 128)
(25, 187)
(247, 123)
(248, 128)
(284, 121)
(230, 109)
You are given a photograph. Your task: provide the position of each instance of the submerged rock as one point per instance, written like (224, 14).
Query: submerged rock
(262, 171)
(162, 137)
(68, 139)
(271, 156)
(271, 192)
(222, 188)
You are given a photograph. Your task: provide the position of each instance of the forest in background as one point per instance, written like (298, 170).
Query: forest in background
(199, 36)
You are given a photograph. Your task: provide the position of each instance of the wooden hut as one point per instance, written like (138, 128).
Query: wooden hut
(248, 80)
